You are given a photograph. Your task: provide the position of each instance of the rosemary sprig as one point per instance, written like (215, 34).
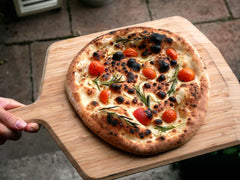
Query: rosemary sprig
(96, 82)
(143, 98)
(166, 128)
(174, 81)
(115, 79)
(133, 40)
(122, 118)
(111, 107)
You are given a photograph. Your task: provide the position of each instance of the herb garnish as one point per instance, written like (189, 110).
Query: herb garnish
(145, 100)
(121, 117)
(115, 79)
(111, 107)
(166, 128)
(96, 82)
(134, 41)
(174, 81)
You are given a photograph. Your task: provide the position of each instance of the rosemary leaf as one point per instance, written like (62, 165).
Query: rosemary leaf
(166, 128)
(145, 100)
(115, 79)
(111, 107)
(174, 82)
(96, 82)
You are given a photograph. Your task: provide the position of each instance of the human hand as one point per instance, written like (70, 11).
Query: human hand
(10, 125)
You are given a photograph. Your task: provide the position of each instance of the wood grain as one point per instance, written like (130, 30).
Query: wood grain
(94, 158)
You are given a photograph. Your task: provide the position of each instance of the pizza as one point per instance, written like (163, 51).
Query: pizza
(141, 89)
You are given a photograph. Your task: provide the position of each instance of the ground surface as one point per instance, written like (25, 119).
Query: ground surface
(23, 44)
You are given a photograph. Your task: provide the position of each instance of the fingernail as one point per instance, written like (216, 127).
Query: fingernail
(20, 124)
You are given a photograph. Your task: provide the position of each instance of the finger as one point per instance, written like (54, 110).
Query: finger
(11, 121)
(32, 127)
(6, 133)
(7, 103)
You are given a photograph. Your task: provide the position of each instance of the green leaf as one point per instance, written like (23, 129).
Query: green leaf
(143, 98)
(174, 81)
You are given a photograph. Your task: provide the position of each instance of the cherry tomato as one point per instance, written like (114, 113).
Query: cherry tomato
(150, 73)
(96, 68)
(104, 95)
(172, 53)
(169, 115)
(186, 74)
(130, 52)
(143, 116)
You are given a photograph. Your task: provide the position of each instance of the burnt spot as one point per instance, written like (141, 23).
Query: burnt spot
(161, 94)
(105, 77)
(131, 63)
(161, 78)
(158, 121)
(131, 91)
(172, 99)
(147, 86)
(130, 77)
(147, 132)
(135, 100)
(141, 135)
(96, 56)
(117, 56)
(94, 103)
(149, 113)
(119, 99)
(115, 87)
(173, 62)
(111, 120)
(156, 38)
(163, 66)
(155, 48)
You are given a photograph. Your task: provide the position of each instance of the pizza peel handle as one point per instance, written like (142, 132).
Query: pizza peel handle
(30, 113)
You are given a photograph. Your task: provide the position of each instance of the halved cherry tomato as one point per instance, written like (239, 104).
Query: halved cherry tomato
(96, 68)
(130, 52)
(186, 74)
(104, 95)
(169, 115)
(172, 53)
(141, 114)
(150, 73)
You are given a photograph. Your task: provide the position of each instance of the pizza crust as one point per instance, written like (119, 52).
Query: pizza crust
(137, 140)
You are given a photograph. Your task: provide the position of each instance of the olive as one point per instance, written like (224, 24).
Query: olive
(164, 67)
(117, 56)
(156, 48)
(173, 62)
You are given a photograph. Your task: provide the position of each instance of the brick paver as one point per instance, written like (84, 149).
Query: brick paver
(15, 73)
(193, 10)
(52, 24)
(226, 36)
(234, 7)
(86, 20)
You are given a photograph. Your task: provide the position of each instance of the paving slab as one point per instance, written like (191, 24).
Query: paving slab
(55, 166)
(225, 36)
(30, 144)
(38, 54)
(15, 73)
(46, 25)
(193, 10)
(87, 19)
(234, 6)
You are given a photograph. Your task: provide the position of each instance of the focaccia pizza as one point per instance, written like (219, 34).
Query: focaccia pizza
(141, 89)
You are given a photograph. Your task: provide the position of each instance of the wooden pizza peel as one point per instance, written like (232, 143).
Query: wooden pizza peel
(95, 159)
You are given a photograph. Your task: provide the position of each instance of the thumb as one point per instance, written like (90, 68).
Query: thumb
(11, 121)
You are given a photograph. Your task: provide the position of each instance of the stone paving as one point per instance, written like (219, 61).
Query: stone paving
(23, 45)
